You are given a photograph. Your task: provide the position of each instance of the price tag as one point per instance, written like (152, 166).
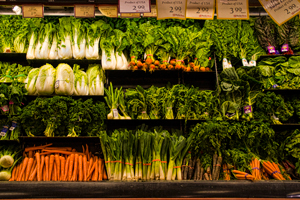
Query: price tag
(281, 10)
(115, 113)
(171, 9)
(4, 131)
(232, 9)
(13, 126)
(84, 11)
(33, 11)
(200, 9)
(130, 15)
(153, 12)
(134, 6)
(109, 10)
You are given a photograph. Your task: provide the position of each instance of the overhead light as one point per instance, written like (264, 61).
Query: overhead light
(17, 10)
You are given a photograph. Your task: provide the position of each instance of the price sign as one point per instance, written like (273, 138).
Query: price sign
(281, 10)
(200, 9)
(153, 12)
(171, 9)
(84, 11)
(232, 9)
(130, 15)
(33, 11)
(134, 6)
(109, 10)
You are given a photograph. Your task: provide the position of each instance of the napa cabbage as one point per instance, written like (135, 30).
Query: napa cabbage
(120, 43)
(46, 79)
(81, 81)
(30, 82)
(96, 79)
(78, 39)
(64, 84)
(64, 38)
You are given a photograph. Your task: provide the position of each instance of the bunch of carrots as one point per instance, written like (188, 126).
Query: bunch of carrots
(255, 166)
(151, 65)
(46, 163)
(273, 170)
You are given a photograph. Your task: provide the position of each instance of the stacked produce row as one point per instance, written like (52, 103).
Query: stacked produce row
(236, 139)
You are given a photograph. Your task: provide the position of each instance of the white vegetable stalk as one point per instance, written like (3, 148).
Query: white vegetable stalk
(53, 54)
(79, 52)
(30, 82)
(38, 51)
(31, 49)
(79, 41)
(92, 52)
(95, 80)
(64, 84)
(65, 48)
(46, 79)
(119, 60)
(81, 82)
(108, 62)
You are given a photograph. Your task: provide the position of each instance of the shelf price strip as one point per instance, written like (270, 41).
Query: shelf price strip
(134, 6)
(200, 9)
(171, 9)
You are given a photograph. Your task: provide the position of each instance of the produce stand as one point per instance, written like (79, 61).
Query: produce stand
(66, 141)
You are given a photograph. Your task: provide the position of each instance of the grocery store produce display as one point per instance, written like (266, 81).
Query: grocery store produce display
(223, 134)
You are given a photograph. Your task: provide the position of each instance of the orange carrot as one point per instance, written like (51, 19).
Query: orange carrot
(27, 149)
(44, 173)
(25, 162)
(75, 168)
(51, 165)
(58, 148)
(62, 163)
(100, 170)
(54, 175)
(80, 177)
(28, 169)
(95, 175)
(45, 152)
(71, 167)
(42, 166)
(92, 169)
(57, 161)
(84, 167)
(238, 172)
(33, 174)
(87, 151)
(104, 173)
(13, 174)
(30, 154)
(47, 168)
(38, 161)
(66, 168)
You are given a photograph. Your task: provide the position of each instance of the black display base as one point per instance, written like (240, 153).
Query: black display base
(154, 189)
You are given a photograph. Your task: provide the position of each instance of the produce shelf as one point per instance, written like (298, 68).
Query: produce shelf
(130, 79)
(133, 123)
(13, 57)
(8, 142)
(202, 80)
(83, 63)
(84, 97)
(273, 56)
(154, 189)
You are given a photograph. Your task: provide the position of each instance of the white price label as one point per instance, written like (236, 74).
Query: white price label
(232, 9)
(134, 6)
(281, 10)
(84, 11)
(171, 9)
(33, 11)
(109, 10)
(56, 84)
(200, 9)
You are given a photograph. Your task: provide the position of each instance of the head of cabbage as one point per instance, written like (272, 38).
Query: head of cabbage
(30, 82)
(64, 84)
(96, 78)
(81, 81)
(46, 79)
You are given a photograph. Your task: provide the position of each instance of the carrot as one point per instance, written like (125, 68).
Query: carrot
(57, 161)
(58, 148)
(30, 154)
(83, 149)
(33, 174)
(92, 169)
(89, 169)
(75, 168)
(62, 163)
(44, 173)
(87, 151)
(100, 176)
(25, 162)
(42, 166)
(104, 173)
(47, 168)
(27, 149)
(45, 152)
(54, 175)
(66, 168)
(38, 161)
(95, 175)
(30, 163)
(238, 172)
(71, 167)
(17, 172)
(51, 165)
(80, 177)
(84, 167)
